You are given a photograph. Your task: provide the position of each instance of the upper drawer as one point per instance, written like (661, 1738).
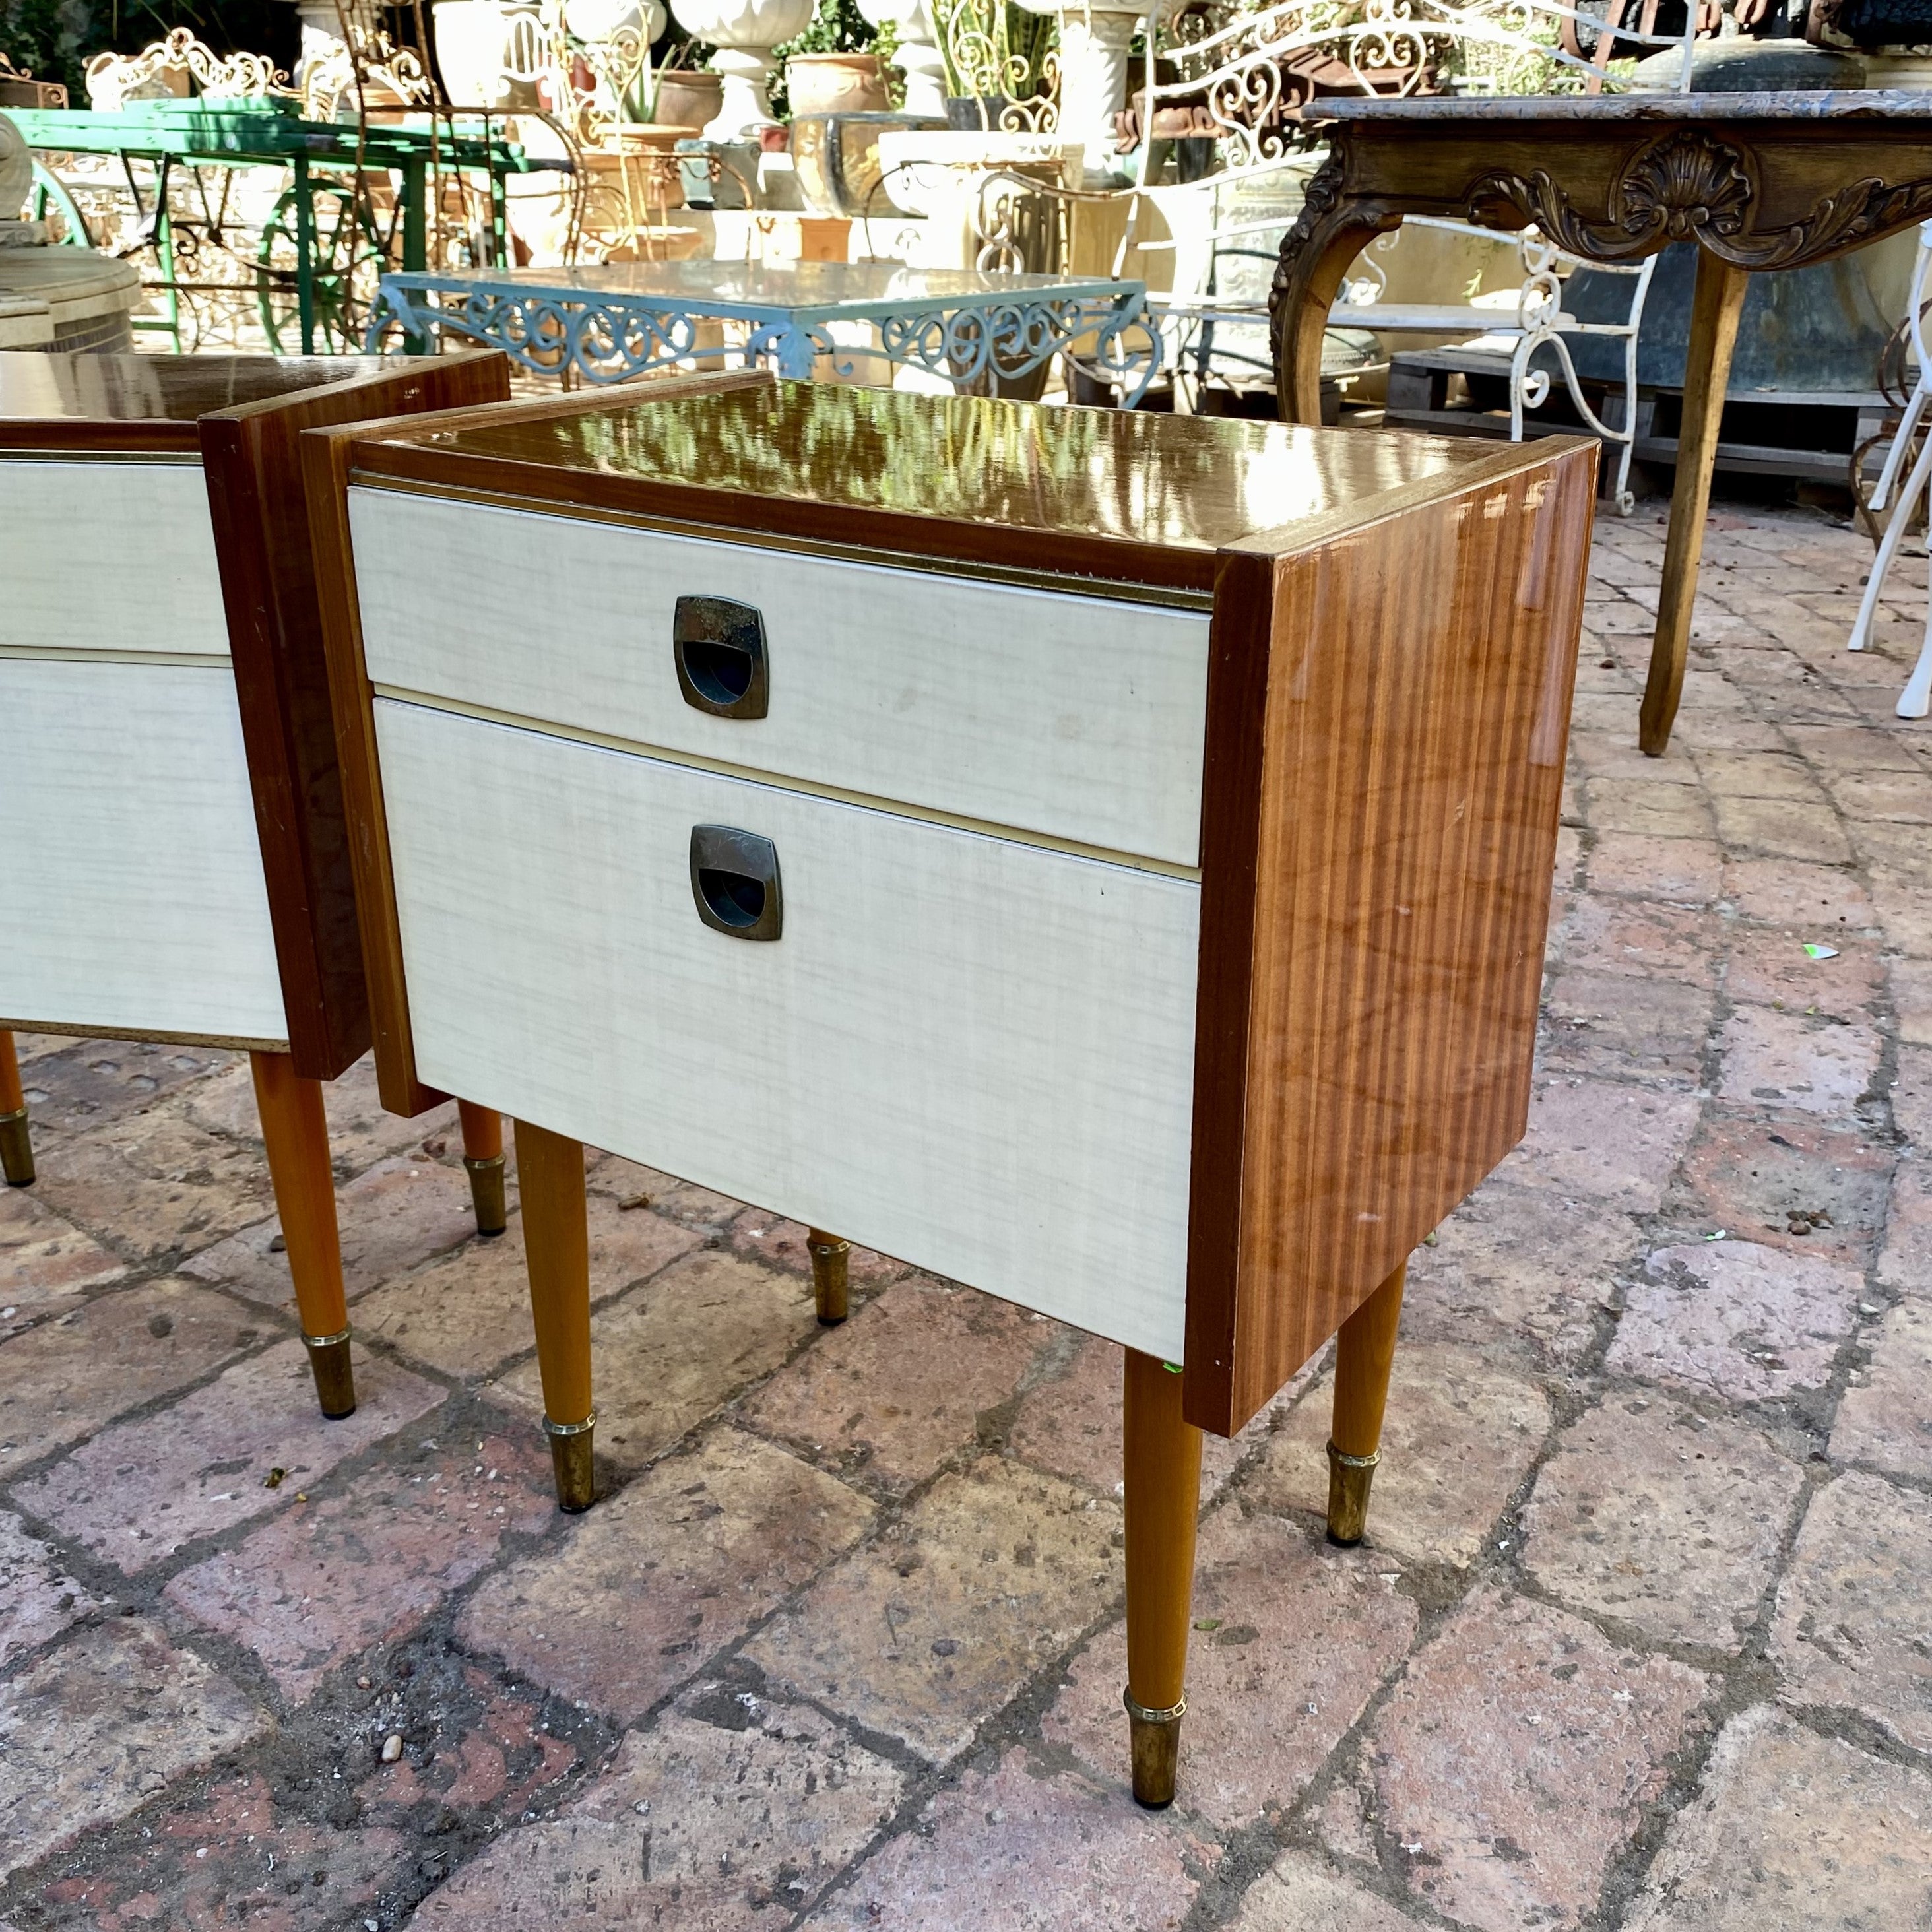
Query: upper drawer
(1078, 718)
(108, 556)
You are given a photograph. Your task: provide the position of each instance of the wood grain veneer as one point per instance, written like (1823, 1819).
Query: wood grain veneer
(1105, 494)
(1381, 801)
(146, 405)
(1389, 661)
(251, 455)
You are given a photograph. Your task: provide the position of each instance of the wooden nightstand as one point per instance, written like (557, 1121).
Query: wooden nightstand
(174, 864)
(1101, 858)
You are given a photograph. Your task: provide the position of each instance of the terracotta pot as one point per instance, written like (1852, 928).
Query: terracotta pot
(688, 97)
(836, 84)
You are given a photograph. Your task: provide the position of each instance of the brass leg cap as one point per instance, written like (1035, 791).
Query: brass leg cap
(1155, 1737)
(571, 1462)
(829, 1259)
(486, 1194)
(17, 1149)
(334, 1379)
(1349, 1478)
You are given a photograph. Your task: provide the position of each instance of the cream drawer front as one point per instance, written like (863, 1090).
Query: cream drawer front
(1079, 718)
(129, 870)
(108, 556)
(974, 1055)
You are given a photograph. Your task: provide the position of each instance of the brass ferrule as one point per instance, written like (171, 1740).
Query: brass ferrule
(335, 1378)
(1155, 1739)
(829, 1259)
(17, 1149)
(486, 1193)
(1349, 1479)
(571, 1462)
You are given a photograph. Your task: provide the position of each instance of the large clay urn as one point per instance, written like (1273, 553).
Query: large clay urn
(744, 32)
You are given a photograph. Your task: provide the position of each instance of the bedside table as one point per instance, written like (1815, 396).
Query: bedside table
(175, 865)
(1103, 858)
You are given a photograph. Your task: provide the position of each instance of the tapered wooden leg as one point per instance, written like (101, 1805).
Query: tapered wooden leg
(295, 1130)
(1715, 306)
(557, 1245)
(17, 1146)
(1364, 1352)
(829, 1257)
(1161, 1464)
(483, 1156)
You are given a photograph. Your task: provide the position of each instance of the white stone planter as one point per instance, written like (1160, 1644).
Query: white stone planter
(1094, 42)
(744, 32)
(917, 55)
(473, 46)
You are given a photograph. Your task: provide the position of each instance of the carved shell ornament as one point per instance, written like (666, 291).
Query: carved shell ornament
(1689, 186)
(1685, 187)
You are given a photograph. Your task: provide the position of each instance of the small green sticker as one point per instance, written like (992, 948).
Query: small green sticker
(1172, 1368)
(1821, 951)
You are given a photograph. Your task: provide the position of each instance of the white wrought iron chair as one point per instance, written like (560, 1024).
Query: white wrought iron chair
(1235, 82)
(1540, 322)
(1916, 699)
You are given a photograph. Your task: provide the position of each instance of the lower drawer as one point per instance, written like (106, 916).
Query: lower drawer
(130, 868)
(974, 1055)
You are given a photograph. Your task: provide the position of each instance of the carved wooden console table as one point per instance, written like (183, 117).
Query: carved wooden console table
(1102, 858)
(1759, 181)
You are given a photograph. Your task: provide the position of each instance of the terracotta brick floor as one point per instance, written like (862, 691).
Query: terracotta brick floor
(1639, 1638)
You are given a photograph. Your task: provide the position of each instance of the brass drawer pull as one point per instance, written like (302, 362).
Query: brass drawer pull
(719, 647)
(734, 880)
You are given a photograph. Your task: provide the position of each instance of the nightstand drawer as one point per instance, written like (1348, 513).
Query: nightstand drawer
(1078, 718)
(130, 867)
(974, 1054)
(108, 556)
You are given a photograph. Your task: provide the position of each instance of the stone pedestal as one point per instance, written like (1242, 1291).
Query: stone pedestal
(917, 54)
(1094, 42)
(744, 32)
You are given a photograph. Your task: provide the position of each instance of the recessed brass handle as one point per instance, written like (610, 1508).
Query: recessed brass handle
(719, 649)
(734, 882)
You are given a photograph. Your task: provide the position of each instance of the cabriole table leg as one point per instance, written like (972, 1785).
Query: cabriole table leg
(483, 1156)
(557, 1250)
(1364, 1353)
(1163, 1470)
(829, 1257)
(16, 1146)
(294, 1131)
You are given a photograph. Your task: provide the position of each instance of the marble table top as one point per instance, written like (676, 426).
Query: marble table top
(1860, 103)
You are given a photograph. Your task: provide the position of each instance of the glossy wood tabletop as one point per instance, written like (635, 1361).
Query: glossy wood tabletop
(1103, 493)
(149, 404)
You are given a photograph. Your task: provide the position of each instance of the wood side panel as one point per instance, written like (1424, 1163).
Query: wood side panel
(1231, 786)
(327, 456)
(251, 457)
(1417, 706)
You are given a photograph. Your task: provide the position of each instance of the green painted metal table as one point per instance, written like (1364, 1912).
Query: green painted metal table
(319, 156)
